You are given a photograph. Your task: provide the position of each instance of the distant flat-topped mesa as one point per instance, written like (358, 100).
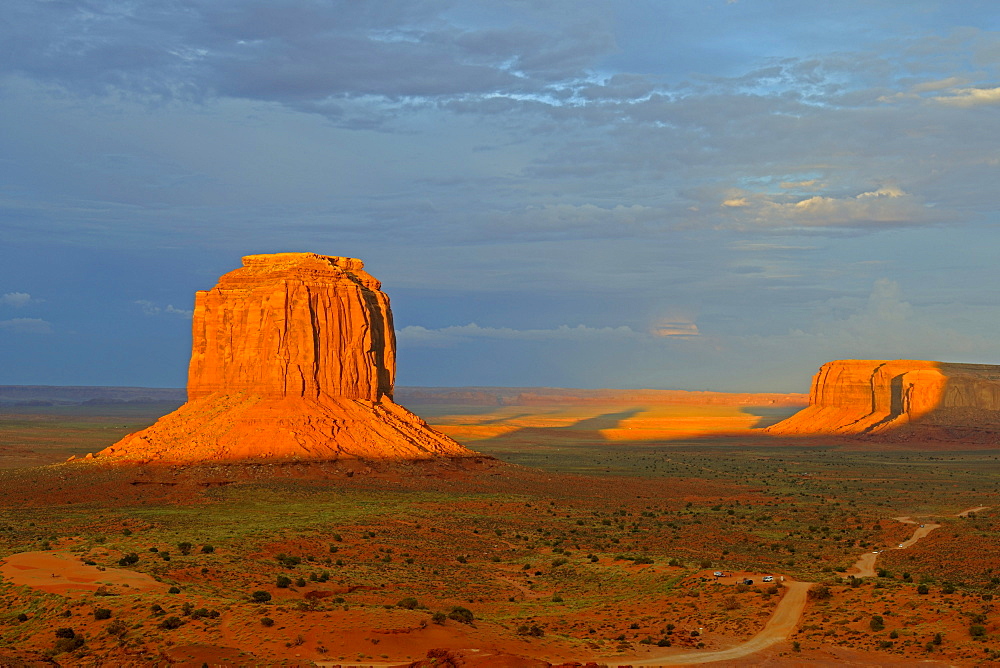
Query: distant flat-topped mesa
(938, 400)
(293, 357)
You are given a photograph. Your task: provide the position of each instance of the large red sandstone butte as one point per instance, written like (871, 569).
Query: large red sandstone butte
(293, 357)
(875, 397)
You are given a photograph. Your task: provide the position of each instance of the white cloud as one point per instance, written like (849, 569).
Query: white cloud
(675, 328)
(27, 326)
(417, 335)
(883, 326)
(150, 308)
(970, 97)
(788, 185)
(16, 299)
(884, 206)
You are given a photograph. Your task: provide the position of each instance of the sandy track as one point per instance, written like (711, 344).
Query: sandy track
(789, 610)
(781, 625)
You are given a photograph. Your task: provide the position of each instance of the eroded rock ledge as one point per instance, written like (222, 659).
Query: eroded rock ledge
(917, 398)
(293, 357)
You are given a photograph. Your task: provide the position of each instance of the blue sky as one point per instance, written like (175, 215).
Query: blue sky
(702, 194)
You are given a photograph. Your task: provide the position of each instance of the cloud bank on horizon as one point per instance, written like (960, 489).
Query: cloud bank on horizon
(702, 194)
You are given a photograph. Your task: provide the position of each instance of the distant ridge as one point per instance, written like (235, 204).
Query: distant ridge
(74, 395)
(66, 395)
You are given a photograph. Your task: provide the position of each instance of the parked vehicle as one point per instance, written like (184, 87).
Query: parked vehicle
(768, 578)
(747, 581)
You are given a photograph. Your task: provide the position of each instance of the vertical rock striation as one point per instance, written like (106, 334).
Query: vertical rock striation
(875, 397)
(293, 357)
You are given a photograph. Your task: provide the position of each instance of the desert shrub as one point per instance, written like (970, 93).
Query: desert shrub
(129, 559)
(796, 646)
(65, 632)
(408, 603)
(260, 596)
(922, 589)
(460, 614)
(894, 634)
(22, 617)
(820, 592)
(938, 639)
(883, 573)
(663, 642)
(266, 621)
(158, 610)
(154, 549)
(876, 623)
(462, 559)
(102, 613)
(556, 598)
(202, 612)
(174, 590)
(185, 548)
(559, 562)
(171, 623)
(117, 628)
(885, 644)
(288, 561)
(284, 581)
(187, 608)
(207, 549)
(165, 555)
(68, 644)
(977, 630)
(731, 603)
(300, 582)
(439, 617)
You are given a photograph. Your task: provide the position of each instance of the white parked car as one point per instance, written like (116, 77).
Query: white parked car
(768, 578)
(717, 574)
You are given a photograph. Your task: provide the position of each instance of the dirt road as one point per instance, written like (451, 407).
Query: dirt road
(781, 625)
(788, 611)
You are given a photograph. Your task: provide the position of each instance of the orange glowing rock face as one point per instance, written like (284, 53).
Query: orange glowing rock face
(858, 397)
(293, 357)
(294, 324)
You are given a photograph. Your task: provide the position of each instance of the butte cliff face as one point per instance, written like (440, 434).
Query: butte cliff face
(908, 397)
(293, 357)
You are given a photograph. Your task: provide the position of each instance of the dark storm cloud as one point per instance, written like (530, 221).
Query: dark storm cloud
(301, 53)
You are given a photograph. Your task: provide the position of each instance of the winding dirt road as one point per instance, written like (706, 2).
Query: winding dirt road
(788, 612)
(781, 625)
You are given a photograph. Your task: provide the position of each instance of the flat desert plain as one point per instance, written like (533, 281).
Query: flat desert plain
(592, 529)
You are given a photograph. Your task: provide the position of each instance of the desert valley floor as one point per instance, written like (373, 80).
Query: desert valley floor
(591, 530)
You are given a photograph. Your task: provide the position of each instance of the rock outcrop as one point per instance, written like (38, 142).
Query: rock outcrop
(919, 398)
(293, 357)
